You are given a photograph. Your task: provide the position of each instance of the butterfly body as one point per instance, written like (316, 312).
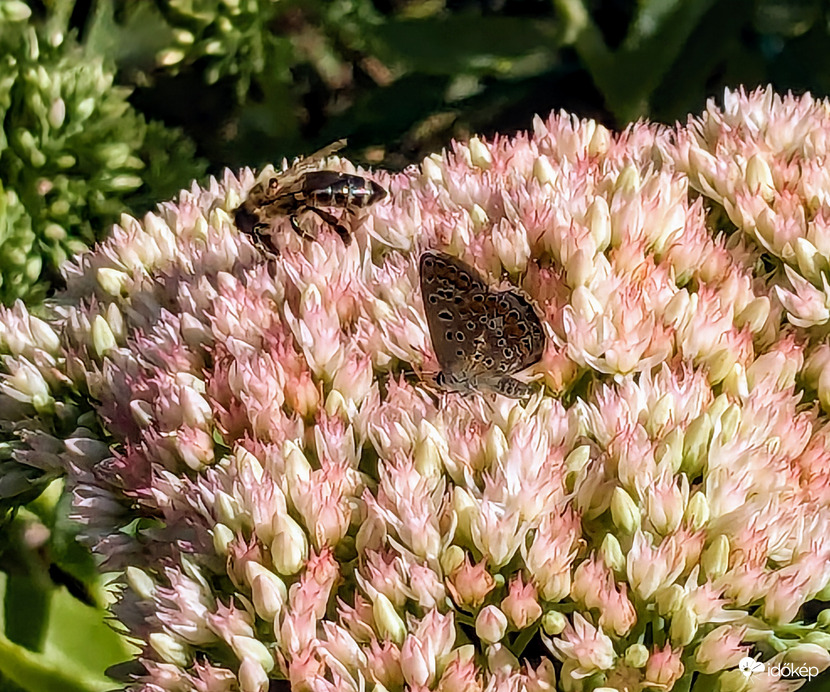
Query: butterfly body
(481, 336)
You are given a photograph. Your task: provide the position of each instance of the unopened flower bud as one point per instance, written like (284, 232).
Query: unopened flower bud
(140, 582)
(636, 656)
(169, 649)
(554, 622)
(268, 590)
(543, 171)
(624, 511)
(102, 337)
(754, 315)
(479, 217)
(297, 468)
(433, 170)
(696, 444)
(252, 677)
(248, 647)
(452, 559)
(759, 177)
(612, 554)
(683, 626)
(600, 141)
(729, 421)
(715, 558)
(670, 599)
(480, 155)
(430, 451)
(491, 624)
(289, 549)
(222, 538)
(599, 223)
(810, 654)
(501, 660)
(697, 511)
(389, 623)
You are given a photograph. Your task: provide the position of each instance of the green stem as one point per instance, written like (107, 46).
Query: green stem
(524, 638)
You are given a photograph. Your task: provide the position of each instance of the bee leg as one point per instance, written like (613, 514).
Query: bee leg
(299, 230)
(263, 242)
(334, 222)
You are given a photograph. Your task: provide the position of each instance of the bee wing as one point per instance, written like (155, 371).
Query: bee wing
(326, 151)
(303, 164)
(290, 179)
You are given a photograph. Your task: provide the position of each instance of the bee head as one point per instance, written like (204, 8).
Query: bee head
(245, 220)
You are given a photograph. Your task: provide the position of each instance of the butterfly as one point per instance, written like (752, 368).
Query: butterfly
(480, 336)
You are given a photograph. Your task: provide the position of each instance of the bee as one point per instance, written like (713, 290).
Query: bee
(299, 190)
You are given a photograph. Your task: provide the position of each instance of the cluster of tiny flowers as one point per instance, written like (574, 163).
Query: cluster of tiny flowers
(250, 441)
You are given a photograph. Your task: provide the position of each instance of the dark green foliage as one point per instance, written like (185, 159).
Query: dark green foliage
(74, 154)
(252, 81)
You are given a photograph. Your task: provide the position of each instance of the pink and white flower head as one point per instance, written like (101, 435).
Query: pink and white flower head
(256, 442)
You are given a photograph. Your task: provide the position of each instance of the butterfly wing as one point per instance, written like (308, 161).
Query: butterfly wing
(480, 336)
(454, 297)
(515, 332)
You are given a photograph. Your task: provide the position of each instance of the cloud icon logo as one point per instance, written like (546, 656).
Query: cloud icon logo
(749, 666)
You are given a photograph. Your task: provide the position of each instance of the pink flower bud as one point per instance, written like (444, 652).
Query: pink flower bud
(664, 667)
(470, 584)
(720, 649)
(521, 605)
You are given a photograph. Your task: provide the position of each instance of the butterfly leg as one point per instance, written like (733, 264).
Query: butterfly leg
(512, 388)
(334, 222)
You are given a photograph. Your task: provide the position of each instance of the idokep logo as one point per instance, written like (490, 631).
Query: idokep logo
(749, 666)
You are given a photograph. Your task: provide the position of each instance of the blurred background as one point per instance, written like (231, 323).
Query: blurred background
(110, 106)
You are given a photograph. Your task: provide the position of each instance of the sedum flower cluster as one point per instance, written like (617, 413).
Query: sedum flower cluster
(250, 443)
(73, 152)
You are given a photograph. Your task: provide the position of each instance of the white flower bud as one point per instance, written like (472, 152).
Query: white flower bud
(389, 623)
(170, 650)
(289, 549)
(250, 648)
(480, 155)
(491, 624)
(140, 582)
(624, 511)
(103, 339)
(222, 539)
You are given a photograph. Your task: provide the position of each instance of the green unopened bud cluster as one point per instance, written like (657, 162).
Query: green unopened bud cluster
(73, 153)
(233, 37)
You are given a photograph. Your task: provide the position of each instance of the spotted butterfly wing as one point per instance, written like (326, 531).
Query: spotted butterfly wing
(480, 336)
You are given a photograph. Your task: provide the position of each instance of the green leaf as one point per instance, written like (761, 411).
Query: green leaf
(133, 41)
(715, 48)
(452, 44)
(99, 645)
(627, 77)
(72, 558)
(385, 114)
(26, 608)
(78, 648)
